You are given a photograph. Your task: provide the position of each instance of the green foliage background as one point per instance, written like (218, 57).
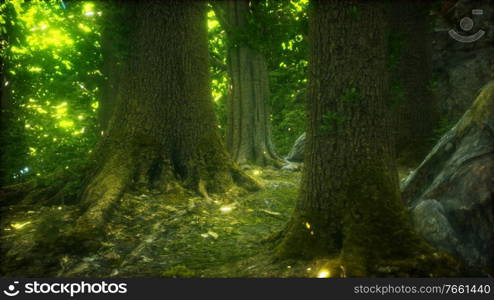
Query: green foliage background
(278, 29)
(51, 56)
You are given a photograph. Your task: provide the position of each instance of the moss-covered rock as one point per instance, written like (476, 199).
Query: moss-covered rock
(450, 194)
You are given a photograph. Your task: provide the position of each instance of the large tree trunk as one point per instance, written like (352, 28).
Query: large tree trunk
(349, 203)
(248, 129)
(162, 133)
(111, 69)
(416, 115)
(113, 45)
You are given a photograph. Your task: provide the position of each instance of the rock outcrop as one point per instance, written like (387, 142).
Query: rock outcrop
(450, 195)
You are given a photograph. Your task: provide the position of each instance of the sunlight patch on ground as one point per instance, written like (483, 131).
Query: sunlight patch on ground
(324, 273)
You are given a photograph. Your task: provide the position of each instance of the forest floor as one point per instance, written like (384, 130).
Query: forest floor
(162, 235)
(156, 235)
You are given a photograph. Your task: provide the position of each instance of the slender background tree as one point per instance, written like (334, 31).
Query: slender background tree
(248, 132)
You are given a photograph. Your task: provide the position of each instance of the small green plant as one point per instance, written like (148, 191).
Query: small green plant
(396, 94)
(354, 12)
(331, 120)
(443, 126)
(433, 84)
(351, 95)
(396, 43)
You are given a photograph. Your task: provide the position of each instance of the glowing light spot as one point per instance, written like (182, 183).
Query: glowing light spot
(61, 110)
(35, 69)
(84, 27)
(307, 225)
(323, 273)
(257, 172)
(67, 64)
(18, 226)
(212, 24)
(88, 9)
(226, 209)
(18, 50)
(66, 123)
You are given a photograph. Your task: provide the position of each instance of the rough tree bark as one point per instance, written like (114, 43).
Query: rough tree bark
(416, 115)
(162, 133)
(113, 44)
(349, 205)
(248, 128)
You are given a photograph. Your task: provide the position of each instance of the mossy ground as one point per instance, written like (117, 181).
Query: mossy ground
(173, 235)
(150, 234)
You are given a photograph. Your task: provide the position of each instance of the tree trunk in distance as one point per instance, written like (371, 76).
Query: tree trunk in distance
(248, 127)
(162, 133)
(349, 206)
(416, 115)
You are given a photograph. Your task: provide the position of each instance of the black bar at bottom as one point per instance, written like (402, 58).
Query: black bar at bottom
(318, 289)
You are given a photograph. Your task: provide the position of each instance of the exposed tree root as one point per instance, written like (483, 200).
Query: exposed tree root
(151, 170)
(296, 241)
(55, 188)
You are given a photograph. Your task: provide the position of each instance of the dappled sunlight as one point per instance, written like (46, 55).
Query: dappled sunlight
(51, 39)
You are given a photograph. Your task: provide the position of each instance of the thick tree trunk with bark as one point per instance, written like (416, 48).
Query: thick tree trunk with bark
(349, 204)
(248, 128)
(416, 115)
(162, 133)
(111, 69)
